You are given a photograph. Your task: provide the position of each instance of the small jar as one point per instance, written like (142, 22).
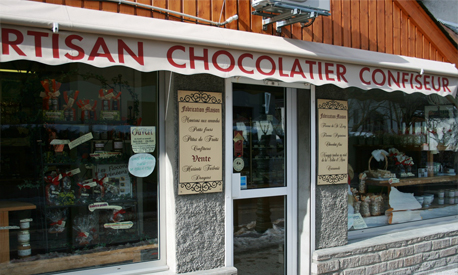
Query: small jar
(23, 236)
(440, 201)
(451, 200)
(24, 250)
(450, 193)
(441, 193)
(118, 146)
(99, 146)
(24, 224)
(362, 187)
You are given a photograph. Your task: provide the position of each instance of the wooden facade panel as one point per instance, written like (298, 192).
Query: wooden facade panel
(419, 44)
(364, 24)
(429, 29)
(244, 22)
(175, 6)
(327, 30)
(355, 33)
(296, 31)
(318, 30)
(391, 26)
(372, 25)
(74, 3)
(110, 6)
(126, 9)
(256, 23)
(346, 23)
(381, 26)
(439, 57)
(433, 53)
(404, 34)
(160, 4)
(204, 9)
(336, 17)
(411, 38)
(286, 32)
(57, 2)
(218, 14)
(93, 5)
(426, 49)
(396, 30)
(307, 33)
(142, 11)
(190, 7)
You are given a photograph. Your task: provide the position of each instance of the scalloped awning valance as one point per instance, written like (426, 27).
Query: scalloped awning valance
(104, 39)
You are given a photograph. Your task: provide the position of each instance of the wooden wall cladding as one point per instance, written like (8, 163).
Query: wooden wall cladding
(398, 27)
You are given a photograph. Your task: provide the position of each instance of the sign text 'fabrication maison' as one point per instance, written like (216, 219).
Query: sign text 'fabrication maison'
(332, 142)
(200, 133)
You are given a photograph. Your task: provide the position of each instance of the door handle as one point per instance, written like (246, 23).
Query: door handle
(235, 185)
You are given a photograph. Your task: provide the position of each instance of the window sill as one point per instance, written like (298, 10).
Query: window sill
(403, 231)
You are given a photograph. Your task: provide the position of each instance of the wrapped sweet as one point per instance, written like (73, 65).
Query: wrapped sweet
(86, 229)
(51, 94)
(87, 109)
(53, 188)
(365, 206)
(118, 215)
(99, 188)
(83, 192)
(376, 206)
(58, 219)
(69, 111)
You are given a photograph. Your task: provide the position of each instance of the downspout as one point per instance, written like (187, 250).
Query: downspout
(229, 20)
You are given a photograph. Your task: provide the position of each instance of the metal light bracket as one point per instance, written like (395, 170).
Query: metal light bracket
(284, 14)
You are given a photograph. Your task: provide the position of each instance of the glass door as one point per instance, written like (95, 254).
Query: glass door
(262, 182)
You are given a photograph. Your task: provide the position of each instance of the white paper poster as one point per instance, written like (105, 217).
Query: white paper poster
(143, 139)
(142, 165)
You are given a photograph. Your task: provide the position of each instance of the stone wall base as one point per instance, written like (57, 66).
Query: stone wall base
(416, 251)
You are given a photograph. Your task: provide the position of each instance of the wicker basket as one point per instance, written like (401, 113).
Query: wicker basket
(378, 173)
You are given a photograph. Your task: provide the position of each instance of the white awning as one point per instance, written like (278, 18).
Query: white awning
(105, 39)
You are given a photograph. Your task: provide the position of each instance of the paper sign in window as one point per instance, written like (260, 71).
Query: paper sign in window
(141, 165)
(143, 139)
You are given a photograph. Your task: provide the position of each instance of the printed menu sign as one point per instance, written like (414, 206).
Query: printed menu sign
(332, 142)
(200, 141)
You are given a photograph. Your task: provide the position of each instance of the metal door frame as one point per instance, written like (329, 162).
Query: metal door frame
(233, 191)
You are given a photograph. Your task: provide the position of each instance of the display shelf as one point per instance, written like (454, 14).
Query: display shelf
(388, 146)
(85, 205)
(25, 267)
(412, 181)
(5, 208)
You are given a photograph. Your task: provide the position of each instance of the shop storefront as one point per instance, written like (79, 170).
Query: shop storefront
(126, 150)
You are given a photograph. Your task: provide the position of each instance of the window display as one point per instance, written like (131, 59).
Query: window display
(67, 192)
(403, 149)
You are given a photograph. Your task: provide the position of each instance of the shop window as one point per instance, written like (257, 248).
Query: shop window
(69, 200)
(403, 151)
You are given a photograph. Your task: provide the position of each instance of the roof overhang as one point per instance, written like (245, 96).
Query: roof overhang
(104, 39)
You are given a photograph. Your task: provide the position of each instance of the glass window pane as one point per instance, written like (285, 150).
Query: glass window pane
(259, 121)
(259, 238)
(65, 146)
(417, 171)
